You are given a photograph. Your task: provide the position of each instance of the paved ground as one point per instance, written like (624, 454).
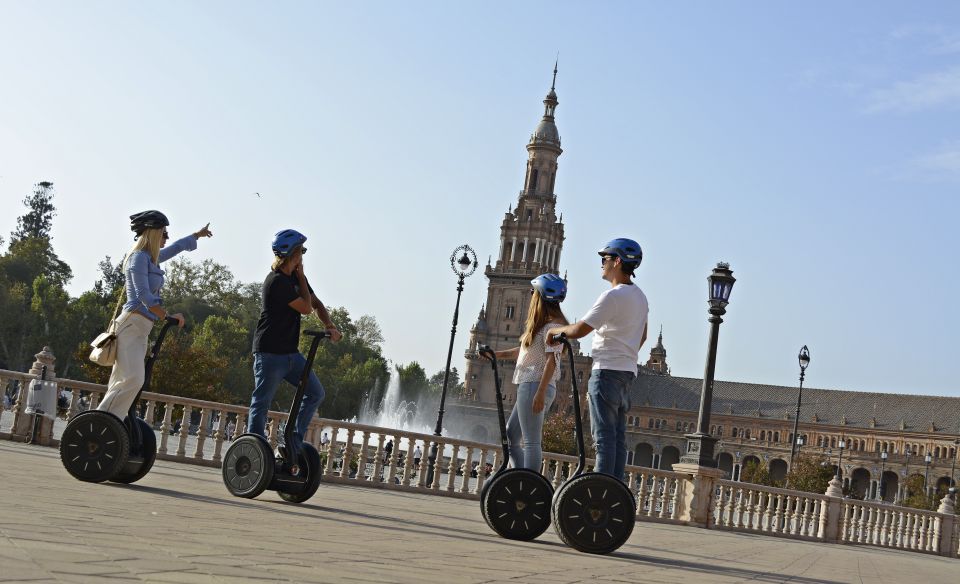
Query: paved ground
(180, 525)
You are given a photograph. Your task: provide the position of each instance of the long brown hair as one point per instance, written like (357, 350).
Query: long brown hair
(540, 313)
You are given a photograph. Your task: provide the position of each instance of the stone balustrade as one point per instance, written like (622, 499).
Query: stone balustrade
(768, 510)
(357, 454)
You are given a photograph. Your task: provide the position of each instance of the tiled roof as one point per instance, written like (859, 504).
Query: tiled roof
(857, 409)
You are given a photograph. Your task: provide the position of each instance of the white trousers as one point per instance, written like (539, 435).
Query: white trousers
(126, 379)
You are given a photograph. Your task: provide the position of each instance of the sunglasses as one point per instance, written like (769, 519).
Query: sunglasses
(165, 234)
(603, 259)
(303, 250)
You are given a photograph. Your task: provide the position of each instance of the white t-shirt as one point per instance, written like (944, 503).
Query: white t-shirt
(533, 359)
(618, 318)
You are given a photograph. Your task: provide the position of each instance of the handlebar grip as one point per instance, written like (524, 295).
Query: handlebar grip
(314, 333)
(558, 338)
(171, 320)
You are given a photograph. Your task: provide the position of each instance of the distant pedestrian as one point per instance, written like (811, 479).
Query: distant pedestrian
(417, 454)
(231, 428)
(324, 439)
(387, 451)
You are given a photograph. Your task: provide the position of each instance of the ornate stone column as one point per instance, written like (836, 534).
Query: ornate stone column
(23, 423)
(696, 496)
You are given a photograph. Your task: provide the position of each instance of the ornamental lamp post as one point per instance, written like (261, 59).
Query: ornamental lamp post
(883, 463)
(700, 444)
(463, 262)
(926, 475)
(841, 444)
(804, 359)
(953, 465)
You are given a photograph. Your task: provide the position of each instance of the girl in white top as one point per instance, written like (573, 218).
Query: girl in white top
(536, 373)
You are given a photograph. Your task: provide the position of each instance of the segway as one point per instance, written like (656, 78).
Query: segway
(98, 446)
(592, 512)
(515, 502)
(250, 466)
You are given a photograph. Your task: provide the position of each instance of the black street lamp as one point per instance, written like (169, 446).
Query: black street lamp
(953, 465)
(883, 463)
(700, 444)
(804, 359)
(463, 262)
(841, 445)
(926, 475)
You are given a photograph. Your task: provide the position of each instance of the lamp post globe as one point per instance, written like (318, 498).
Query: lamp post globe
(463, 262)
(700, 444)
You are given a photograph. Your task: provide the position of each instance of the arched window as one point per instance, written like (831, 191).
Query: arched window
(820, 441)
(719, 430)
(763, 434)
(747, 434)
(736, 432)
(833, 442)
(679, 425)
(534, 175)
(650, 423)
(776, 436)
(636, 422)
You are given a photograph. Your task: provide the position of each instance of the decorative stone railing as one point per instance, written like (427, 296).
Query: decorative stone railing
(357, 454)
(892, 527)
(759, 509)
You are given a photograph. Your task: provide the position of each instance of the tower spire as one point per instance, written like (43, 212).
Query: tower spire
(555, 63)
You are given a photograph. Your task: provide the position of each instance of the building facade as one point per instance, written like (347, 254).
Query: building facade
(754, 423)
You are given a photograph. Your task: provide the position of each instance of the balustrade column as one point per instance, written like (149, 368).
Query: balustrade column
(165, 427)
(408, 463)
(378, 459)
(150, 414)
(241, 426)
(184, 431)
(202, 432)
(467, 468)
(74, 403)
(453, 468)
(218, 436)
(345, 462)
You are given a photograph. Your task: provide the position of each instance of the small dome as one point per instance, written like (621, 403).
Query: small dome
(546, 132)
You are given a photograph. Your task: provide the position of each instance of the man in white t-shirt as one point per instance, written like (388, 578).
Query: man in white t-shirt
(619, 319)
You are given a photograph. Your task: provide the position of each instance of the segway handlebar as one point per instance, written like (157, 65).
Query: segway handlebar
(315, 333)
(301, 387)
(486, 352)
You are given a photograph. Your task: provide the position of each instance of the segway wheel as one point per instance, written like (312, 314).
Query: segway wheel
(140, 462)
(309, 468)
(517, 504)
(594, 513)
(248, 466)
(94, 446)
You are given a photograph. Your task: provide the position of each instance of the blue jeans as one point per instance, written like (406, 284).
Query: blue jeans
(528, 426)
(609, 394)
(268, 370)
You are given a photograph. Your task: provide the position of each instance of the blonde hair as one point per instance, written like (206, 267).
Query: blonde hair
(540, 313)
(149, 241)
(279, 262)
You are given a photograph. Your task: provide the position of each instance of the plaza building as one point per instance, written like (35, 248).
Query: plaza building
(754, 423)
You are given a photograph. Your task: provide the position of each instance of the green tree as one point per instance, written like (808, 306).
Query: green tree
(811, 473)
(38, 220)
(757, 473)
(226, 337)
(558, 434)
(915, 495)
(413, 381)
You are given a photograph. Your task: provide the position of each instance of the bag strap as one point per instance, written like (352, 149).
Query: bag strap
(120, 295)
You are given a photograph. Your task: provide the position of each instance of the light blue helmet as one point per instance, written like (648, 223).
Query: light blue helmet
(552, 287)
(627, 250)
(284, 242)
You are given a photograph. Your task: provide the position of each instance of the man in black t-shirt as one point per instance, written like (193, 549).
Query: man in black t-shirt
(286, 296)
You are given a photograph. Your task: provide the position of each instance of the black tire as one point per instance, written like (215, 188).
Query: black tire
(131, 472)
(517, 504)
(248, 466)
(94, 446)
(594, 513)
(310, 467)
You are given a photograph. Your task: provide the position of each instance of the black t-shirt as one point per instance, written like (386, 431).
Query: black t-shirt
(278, 330)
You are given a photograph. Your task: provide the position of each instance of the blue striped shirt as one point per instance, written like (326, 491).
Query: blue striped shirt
(145, 278)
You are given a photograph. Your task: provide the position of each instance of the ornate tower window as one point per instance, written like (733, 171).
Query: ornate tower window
(511, 311)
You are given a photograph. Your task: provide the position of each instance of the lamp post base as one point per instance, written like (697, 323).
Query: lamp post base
(431, 464)
(700, 450)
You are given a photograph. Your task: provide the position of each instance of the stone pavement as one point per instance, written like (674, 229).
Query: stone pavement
(179, 524)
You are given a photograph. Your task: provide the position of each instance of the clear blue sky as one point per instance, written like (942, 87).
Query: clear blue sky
(815, 147)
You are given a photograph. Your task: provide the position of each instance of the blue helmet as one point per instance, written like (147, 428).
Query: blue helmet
(627, 250)
(284, 242)
(552, 287)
